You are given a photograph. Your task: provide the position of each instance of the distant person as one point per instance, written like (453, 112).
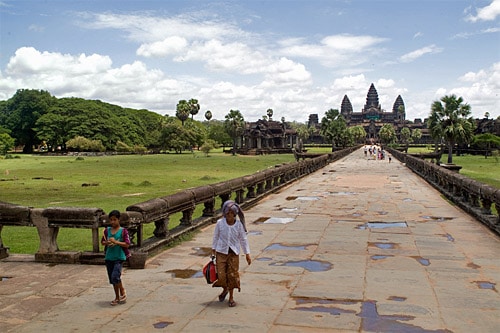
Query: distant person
(116, 241)
(229, 235)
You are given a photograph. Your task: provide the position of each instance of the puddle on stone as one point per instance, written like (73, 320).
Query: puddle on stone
(278, 246)
(162, 324)
(5, 278)
(379, 257)
(371, 321)
(422, 261)
(449, 237)
(382, 212)
(310, 265)
(261, 220)
(382, 225)
(437, 218)
(264, 259)
(279, 220)
(289, 210)
(357, 214)
(342, 193)
(407, 200)
(255, 233)
(486, 285)
(302, 198)
(473, 265)
(384, 246)
(202, 251)
(396, 298)
(185, 273)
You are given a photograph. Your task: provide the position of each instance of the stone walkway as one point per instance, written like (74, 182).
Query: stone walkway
(359, 246)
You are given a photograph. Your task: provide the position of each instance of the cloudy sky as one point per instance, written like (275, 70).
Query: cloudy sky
(296, 57)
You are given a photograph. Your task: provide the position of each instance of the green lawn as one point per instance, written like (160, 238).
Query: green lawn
(117, 182)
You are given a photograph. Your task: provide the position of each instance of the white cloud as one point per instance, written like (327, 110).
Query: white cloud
(170, 45)
(479, 89)
(488, 13)
(411, 56)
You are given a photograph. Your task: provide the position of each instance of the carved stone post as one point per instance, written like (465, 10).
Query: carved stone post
(187, 216)
(161, 227)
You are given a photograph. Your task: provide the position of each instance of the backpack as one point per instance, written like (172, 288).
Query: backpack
(210, 271)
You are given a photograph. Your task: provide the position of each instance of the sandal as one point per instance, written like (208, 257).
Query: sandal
(222, 296)
(114, 302)
(123, 298)
(231, 304)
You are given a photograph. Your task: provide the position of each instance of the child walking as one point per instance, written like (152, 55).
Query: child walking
(230, 234)
(116, 240)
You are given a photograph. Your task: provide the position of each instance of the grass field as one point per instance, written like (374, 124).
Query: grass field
(119, 181)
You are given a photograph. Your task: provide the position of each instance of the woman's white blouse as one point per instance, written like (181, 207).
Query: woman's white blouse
(230, 236)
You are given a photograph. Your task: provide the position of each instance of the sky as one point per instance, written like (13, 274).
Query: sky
(294, 57)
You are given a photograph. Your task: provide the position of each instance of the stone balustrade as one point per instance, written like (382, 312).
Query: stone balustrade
(474, 197)
(246, 190)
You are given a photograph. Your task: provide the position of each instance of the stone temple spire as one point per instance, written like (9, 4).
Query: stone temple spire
(399, 102)
(372, 98)
(346, 107)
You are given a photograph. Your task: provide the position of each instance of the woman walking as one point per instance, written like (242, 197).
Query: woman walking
(229, 236)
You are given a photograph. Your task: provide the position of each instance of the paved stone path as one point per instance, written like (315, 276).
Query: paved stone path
(359, 246)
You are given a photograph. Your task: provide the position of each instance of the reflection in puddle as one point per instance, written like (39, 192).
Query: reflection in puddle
(357, 214)
(343, 193)
(185, 273)
(255, 233)
(407, 200)
(379, 257)
(289, 210)
(384, 246)
(382, 212)
(4, 278)
(202, 251)
(397, 298)
(450, 238)
(279, 220)
(382, 225)
(162, 324)
(486, 285)
(278, 246)
(264, 259)
(422, 261)
(371, 321)
(302, 198)
(437, 218)
(310, 265)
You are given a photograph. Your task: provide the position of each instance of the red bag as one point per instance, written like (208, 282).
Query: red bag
(210, 271)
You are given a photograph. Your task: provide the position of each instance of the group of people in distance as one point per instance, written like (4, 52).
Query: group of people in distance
(229, 240)
(376, 153)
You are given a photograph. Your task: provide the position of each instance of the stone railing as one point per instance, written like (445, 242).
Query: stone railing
(246, 190)
(474, 197)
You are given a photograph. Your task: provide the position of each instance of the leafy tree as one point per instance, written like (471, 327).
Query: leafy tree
(358, 133)
(234, 125)
(334, 128)
(387, 134)
(198, 132)
(218, 133)
(450, 120)
(22, 112)
(405, 137)
(176, 136)
(416, 134)
(194, 107)
(6, 143)
(80, 143)
(486, 141)
(207, 146)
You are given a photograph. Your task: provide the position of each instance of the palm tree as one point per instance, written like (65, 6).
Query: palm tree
(183, 109)
(387, 134)
(234, 125)
(449, 121)
(194, 107)
(270, 113)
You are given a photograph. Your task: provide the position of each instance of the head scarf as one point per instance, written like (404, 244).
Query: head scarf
(231, 205)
